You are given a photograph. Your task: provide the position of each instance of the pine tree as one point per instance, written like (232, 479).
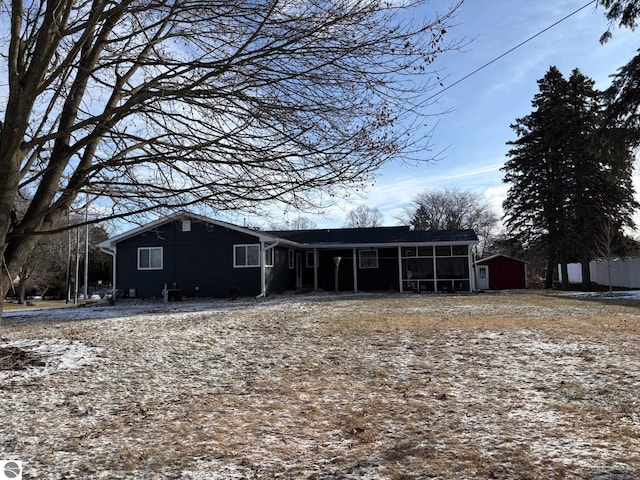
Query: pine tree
(536, 204)
(570, 170)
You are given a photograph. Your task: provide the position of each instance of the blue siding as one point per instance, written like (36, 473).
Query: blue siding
(327, 270)
(383, 278)
(280, 277)
(199, 262)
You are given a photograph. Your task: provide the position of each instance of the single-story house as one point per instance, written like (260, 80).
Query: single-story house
(501, 272)
(199, 256)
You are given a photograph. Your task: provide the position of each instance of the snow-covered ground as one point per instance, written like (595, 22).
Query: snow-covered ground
(606, 295)
(507, 386)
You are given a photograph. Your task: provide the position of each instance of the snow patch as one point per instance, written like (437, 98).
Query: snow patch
(51, 356)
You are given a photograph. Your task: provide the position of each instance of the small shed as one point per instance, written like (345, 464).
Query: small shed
(501, 272)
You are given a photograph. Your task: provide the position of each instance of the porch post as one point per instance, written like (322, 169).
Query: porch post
(355, 272)
(400, 268)
(435, 272)
(472, 270)
(263, 269)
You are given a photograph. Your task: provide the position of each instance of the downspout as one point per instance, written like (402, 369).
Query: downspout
(473, 280)
(112, 253)
(263, 267)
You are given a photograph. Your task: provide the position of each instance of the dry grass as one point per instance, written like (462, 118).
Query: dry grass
(510, 386)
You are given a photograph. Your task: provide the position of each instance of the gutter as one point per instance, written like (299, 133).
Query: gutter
(263, 267)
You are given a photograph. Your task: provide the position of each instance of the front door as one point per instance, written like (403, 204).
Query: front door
(483, 277)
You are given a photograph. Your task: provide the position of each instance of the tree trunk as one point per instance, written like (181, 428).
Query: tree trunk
(22, 291)
(549, 274)
(16, 253)
(548, 279)
(586, 276)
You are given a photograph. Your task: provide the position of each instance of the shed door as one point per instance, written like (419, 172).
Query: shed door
(483, 277)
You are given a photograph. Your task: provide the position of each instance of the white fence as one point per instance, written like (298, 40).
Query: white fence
(625, 272)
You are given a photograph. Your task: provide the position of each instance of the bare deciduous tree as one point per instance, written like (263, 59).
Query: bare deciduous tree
(148, 106)
(363, 217)
(453, 209)
(298, 223)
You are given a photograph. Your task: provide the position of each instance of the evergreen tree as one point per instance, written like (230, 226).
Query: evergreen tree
(536, 203)
(570, 170)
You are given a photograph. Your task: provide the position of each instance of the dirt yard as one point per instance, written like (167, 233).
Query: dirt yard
(502, 386)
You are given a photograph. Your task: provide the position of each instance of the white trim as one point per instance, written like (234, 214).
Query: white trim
(112, 252)
(150, 267)
(343, 246)
(482, 260)
(355, 272)
(184, 215)
(472, 274)
(266, 256)
(307, 255)
(400, 268)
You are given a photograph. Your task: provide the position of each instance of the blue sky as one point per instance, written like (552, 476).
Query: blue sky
(472, 136)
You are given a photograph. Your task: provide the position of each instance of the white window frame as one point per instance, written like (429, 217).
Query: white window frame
(269, 256)
(370, 262)
(186, 226)
(310, 258)
(292, 259)
(246, 247)
(149, 250)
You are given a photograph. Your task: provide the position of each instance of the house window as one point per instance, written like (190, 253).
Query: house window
(186, 225)
(369, 258)
(246, 256)
(292, 259)
(310, 259)
(417, 268)
(452, 268)
(150, 258)
(409, 252)
(460, 249)
(268, 257)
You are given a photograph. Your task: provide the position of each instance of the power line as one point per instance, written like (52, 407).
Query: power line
(591, 2)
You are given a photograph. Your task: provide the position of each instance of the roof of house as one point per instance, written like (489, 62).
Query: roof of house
(182, 215)
(337, 237)
(376, 235)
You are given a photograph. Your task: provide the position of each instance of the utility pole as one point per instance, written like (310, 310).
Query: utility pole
(77, 273)
(68, 257)
(86, 252)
